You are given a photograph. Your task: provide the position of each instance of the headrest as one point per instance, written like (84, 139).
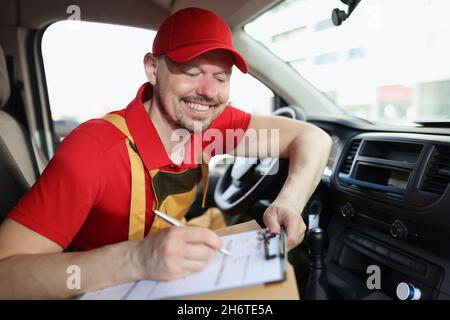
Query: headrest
(5, 90)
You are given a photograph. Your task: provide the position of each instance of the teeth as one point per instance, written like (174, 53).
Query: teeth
(197, 107)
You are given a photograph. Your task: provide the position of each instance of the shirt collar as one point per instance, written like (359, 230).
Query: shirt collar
(146, 138)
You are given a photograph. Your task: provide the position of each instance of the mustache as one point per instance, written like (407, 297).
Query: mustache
(200, 99)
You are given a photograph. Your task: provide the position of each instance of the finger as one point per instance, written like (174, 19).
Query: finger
(295, 229)
(197, 235)
(195, 265)
(188, 267)
(270, 219)
(291, 230)
(199, 252)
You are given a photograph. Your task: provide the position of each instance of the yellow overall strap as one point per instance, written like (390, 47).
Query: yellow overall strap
(205, 180)
(136, 229)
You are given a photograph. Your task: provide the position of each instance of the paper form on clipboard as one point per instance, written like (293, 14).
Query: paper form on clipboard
(257, 258)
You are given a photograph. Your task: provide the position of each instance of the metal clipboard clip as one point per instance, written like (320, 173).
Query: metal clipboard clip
(270, 251)
(273, 251)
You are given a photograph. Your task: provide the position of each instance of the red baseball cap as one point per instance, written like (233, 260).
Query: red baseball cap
(188, 33)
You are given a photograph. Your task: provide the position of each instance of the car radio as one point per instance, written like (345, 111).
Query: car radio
(392, 171)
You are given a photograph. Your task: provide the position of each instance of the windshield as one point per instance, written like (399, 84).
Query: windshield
(388, 62)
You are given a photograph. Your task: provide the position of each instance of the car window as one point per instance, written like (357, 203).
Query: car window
(94, 68)
(250, 94)
(388, 62)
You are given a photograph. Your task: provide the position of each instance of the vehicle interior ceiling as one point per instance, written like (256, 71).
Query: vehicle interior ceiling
(383, 200)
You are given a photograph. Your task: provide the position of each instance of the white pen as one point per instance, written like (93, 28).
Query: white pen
(177, 223)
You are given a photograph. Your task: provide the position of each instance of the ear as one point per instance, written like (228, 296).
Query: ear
(150, 66)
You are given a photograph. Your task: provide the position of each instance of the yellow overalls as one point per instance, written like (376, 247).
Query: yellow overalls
(174, 193)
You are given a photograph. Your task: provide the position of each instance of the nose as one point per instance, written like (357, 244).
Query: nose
(208, 87)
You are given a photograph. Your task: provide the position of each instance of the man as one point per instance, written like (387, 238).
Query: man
(98, 192)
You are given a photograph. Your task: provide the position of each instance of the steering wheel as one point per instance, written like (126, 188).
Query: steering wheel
(248, 180)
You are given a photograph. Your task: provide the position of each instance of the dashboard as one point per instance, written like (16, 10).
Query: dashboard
(404, 180)
(388, 203)
(398, 181)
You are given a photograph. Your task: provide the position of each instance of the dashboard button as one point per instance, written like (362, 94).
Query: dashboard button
(419, 266)
(381, 250)
(399, 230)
(400, 259)
(364, 242)
(347, 211)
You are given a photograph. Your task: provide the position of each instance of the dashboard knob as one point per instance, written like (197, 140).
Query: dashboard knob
(399, 230)
(347, 211)
(406, 291)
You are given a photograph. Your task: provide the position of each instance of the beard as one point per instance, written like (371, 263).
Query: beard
(181, 120)
(196, 124)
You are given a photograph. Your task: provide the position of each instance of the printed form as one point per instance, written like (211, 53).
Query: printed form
(247, 266)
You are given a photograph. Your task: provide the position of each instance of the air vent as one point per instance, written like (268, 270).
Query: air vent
(350, 156)
(437, 175)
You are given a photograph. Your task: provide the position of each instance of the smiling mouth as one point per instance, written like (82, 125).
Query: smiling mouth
(197, 107)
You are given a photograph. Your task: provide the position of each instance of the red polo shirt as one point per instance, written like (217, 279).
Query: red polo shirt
(83, 196)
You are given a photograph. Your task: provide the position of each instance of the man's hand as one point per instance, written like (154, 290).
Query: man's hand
(288, 216)
(176, 252)
(307, 147)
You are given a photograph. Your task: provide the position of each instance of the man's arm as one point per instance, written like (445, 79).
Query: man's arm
(33, 267)
(307, 148)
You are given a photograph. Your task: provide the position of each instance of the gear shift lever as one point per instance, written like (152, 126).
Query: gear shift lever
(317, 283)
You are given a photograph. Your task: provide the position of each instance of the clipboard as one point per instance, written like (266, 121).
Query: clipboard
(262, 262)
(283, 288)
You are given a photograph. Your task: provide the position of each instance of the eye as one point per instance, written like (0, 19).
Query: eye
(192, 74)
(222, 80)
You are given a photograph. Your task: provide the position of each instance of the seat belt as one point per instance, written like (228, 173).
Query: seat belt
(136, 230)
